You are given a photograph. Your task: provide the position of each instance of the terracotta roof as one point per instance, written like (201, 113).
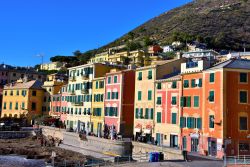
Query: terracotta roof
(34, 84)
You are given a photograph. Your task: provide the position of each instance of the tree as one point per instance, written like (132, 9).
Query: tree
(130, 46)
(147, 41)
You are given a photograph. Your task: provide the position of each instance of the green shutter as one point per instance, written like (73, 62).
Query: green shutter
(141, 113)
(158, 85)
(96, 84)
(196, 101)
(211, 96)
(211, 121)
(200, 82)
(147, 113)
(186, 83)
(174, 115)
(109, 95)
(150, 74)
(158, 100)
(182, 101)
(199, 123)
(150, 95)
(174, 84)
(189, 101)
(152, 114)
(139, 95)
(140, 76)
(182, 122)
(173, 102)
(193, 83)
(211, 77)
(158, 117)
(115, 79)
(109, 80)
(188, 122)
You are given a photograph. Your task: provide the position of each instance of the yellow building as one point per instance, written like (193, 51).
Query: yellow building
(80, 88)
(52, 88)
(118, 58)
(101, 57)
(23, 99)
(98, 105)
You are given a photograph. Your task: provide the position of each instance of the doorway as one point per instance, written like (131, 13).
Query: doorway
(173, 141)
(194, 145)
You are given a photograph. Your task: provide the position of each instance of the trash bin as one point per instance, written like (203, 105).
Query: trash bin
(157, 156)
(151, 157)
(161, 156)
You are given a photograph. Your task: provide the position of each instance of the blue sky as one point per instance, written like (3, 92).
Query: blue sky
(59, 27)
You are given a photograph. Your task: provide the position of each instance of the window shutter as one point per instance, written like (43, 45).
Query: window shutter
(200, 82)
(152, 113)
(196, 101)
(211, 78)
(174, 118)
(147, 112)
(182, 122)
(141, 113)
(182, 101)
(158, 117)
(193, 83)
(199, 123)
(189, 101)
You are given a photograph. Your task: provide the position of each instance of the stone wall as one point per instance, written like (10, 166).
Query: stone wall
(95, 144)
(14, 134)
(169, 153)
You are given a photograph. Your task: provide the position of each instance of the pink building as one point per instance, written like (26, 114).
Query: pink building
(167, 130)
(119, 102)
(64, 104)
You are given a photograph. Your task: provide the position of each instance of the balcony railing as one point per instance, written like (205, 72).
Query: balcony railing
(77, 103)
(85, 91)
(72, 78)
(72, 92)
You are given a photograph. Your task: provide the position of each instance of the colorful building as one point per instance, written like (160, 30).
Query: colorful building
(99, 58)
(167, 129)
(80, 94)
(23, 99)
(97, 117)
(145, 96)
(64, 104)
(119, 103)
(191, 103)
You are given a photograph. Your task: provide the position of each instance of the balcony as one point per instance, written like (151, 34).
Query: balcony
(72, 92)
(85, 91)
(85, 76)
(77, 103)
(72, 79)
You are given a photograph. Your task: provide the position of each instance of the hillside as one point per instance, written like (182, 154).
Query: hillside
(222, 24)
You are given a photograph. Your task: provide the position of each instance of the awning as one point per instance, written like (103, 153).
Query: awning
(147, 131)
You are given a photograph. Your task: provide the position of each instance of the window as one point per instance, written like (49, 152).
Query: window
(173, 101)
(139, 95)
(158, 85)
(211, 121)
(115, 79)
(193, 83)
(174, 116)
(17, 92)
(158, 117)
(191, 122)
(11, 93)
(183, 122)
(150, 74)
(23, 105)
(243, 97)
(244, 147)
(211, 96)
(109, 80)
(4, 105)
(150, 95)
(158, 101)
(243, 123)
(109, 95)
(196, 101)
(16, 107)
(211, 77)
(33, 106)
(200, 83)
(186, 101)
(34, 93)
(5, 93)
(174, 84)
(186, 83)
(199, 123)
(140, 76)
(10, 106)
(96, 84)
(243, 78)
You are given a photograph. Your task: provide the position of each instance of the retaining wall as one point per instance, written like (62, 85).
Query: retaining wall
(14, 134)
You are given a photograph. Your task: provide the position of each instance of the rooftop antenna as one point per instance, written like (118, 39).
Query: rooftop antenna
(40, 55)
